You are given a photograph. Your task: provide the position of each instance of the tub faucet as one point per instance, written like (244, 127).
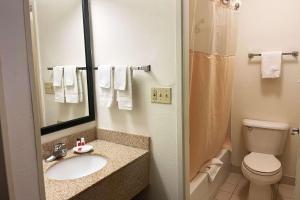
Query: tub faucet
(59, 151)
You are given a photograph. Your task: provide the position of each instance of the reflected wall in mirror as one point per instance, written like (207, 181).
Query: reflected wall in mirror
(62, 62)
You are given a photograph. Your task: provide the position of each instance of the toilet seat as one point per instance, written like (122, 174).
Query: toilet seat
(262, 164)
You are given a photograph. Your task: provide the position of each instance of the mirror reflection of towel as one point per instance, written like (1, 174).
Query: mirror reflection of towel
(73, 84)
(58, 84)
(70, 75)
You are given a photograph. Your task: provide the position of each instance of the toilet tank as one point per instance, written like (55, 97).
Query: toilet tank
(264, 136)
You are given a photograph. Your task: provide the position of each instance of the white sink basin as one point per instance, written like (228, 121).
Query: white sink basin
(76, 167)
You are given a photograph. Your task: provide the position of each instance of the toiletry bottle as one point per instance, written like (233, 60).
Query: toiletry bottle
(78, 142)
(82, 141)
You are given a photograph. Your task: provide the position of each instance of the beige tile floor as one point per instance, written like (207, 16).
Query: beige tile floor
(236, 188)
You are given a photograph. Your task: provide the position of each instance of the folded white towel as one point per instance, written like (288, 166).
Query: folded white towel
(58, 84)
(105, 76)
(271, 64)
(120, 77)
(212, 168)
(72, 91)
(124, 97)
(80, 86)
(70, 75)
(106, 94)
(58, 75)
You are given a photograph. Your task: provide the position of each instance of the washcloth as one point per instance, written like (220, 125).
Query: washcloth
(57, 75)
(124, 97)
(106, 94)
(271, 64)
(58, 84)
(104, 76)
(120, 79)
(72, 93)
(212, 168)
(70, 75)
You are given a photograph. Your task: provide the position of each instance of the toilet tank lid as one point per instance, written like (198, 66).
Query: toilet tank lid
(265, 124)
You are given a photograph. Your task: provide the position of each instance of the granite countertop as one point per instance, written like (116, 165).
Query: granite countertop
(118, 156)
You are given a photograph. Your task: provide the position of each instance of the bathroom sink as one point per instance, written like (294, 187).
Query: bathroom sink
(76, 167)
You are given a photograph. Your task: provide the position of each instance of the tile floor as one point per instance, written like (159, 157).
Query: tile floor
(236, 188)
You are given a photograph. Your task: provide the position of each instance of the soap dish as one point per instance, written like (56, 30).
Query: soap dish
(83, 149)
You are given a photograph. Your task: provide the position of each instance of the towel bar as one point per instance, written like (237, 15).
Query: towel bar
(293, 53)
(146, 68)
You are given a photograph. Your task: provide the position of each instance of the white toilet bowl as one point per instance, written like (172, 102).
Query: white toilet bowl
(262, 170)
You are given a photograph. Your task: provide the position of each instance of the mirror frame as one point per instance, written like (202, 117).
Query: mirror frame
(90, 81)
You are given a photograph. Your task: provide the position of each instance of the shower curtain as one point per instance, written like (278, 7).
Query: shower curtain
(212, 50)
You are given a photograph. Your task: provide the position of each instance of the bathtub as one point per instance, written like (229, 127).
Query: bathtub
(201, 188)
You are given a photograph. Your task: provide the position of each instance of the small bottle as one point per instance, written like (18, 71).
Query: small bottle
(82, 142)
(78, 142)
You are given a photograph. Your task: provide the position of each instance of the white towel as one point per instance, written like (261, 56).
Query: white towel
(105, 76)
(120, 77)
(72, 93)
(106, 93)
(58, 75)
(212, 168)
(70, 75)
(58, 84)
(80, 86)
(271, 64)
(124, 97)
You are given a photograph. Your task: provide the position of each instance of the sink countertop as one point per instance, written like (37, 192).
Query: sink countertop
(118, 156)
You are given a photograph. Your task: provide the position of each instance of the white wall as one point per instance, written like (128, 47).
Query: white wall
(140, 33)
(264, 26)
(60, 39)
(15, 104)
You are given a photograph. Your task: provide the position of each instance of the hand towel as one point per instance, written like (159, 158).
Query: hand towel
(105, 76)
(70, 75)
(124, 97)
(271, 64)
(106, 94)
(120, 77)
(58, 84)
(71, 91)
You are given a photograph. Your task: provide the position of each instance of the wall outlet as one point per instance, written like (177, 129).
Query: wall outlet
(161, 95)
(48, 86)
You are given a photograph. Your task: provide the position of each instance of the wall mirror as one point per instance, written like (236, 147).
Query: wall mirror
(63, 71)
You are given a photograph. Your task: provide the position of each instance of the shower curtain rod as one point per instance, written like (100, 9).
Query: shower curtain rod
(293, 53)
(146, 68)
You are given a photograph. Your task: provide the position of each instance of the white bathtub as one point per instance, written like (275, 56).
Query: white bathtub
(201, 188)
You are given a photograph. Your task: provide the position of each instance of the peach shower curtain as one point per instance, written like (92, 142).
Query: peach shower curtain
(211, 75)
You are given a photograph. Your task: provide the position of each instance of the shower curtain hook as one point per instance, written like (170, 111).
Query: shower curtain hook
(225, 2)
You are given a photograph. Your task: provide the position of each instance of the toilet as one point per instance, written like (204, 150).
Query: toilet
(264, 140)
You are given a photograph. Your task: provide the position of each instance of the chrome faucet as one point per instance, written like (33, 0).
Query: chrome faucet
(59, 151)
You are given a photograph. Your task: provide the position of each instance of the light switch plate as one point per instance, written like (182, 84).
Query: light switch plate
(48, 86)
(161, 95)
(153, 95)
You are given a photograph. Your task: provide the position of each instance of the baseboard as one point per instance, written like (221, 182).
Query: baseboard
(288, 180)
